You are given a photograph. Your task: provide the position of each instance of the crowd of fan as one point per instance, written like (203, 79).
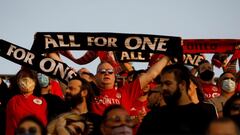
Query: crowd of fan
(166, 98)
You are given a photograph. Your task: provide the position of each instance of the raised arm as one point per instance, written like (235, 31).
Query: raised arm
(153, 71)
(174, 51)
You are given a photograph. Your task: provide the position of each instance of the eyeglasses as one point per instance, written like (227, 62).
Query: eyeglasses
(30, 131)
(105, 71)
(117, 120)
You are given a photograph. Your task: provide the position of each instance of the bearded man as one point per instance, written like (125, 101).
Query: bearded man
(79, 119)
(180, 115)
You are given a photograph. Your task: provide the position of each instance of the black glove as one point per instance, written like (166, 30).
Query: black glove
(175, 51)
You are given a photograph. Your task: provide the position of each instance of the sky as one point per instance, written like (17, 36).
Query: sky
(189, 19)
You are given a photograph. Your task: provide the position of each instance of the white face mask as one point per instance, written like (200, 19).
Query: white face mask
(26, 84)
(122, 130)
(228, 85)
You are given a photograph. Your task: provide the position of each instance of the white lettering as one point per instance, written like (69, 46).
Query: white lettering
(10, 50)
(188, 58)
(21, 54)
(162, 44)
(70, 75)
(61, 69)
(29, 57)
(102, 41)
(147, 41)
(90, 40)
(125, 56)
(72, 41)
(106, 100)
(112, 41)
(61, 41)
(130, 46)
(50, 41)
(52, 64)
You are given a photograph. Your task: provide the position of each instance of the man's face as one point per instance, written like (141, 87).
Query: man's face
(73, 93)
(170, 89)
(227, 76)
(105, 75)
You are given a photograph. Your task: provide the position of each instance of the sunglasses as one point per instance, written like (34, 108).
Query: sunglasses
(105, 71)
(30, 131)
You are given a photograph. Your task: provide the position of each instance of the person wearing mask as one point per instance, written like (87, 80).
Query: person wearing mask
(227, 84)
(206, 75)
(55, 104)
(26, 102)
(116, 121)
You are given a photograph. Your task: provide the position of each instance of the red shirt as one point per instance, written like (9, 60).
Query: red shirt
(210, 91)
(137, 108)
(56, 88)
(125, 96)
(238, 87)
(21, 106)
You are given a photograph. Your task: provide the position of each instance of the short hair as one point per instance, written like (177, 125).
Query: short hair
(110, 108)
(180, 72)
(227, 72)
(87, 86)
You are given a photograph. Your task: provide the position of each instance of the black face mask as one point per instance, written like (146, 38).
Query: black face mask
(172, 100)
(207, 75)
(73, 100)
